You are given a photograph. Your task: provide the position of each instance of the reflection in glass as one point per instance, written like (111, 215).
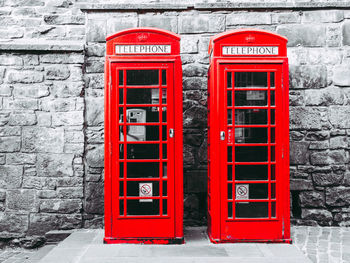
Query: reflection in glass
(251, 79)
(229, 79)
(252, 209)
(141, 114)
(143, 170)
(273, 172)
(229, 116)
(142, 96)
(229, 98)
(251, 154)
(272, 98)
(165, 206)
(272, 116)
(165, 170)
(165, 189)
(143, 151)
(229, 208)
(135, 207)
(250, 116)
(251, 98)
(229, 191)
(273, 209)
(258, 191)
(142, 77)
(251, 135)
(251, 172)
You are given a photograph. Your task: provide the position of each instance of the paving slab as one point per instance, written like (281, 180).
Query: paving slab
(86, 246)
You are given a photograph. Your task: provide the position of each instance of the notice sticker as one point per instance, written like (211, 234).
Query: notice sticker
(145, 190)
(242, 191)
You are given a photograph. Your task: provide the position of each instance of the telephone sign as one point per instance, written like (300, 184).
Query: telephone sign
(248, 138)
(143, 134)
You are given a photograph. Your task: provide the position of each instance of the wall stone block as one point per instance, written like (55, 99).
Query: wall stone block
(95, 155)
(338, 117)
(95, 50)
(10, 176)
(324, 97)
(329, 157)
(307, 77)
(42, 139)
(58, 105)
(194, 83)
(159, 21)
(25, 76)
(286, 18)
(194, 70)
(94, 198)
(248, 18)
(64, 20)
(306, 118)
(195, 117)
(31, 91)
(13, 224)
(312, 199)
(341, 75)
(189, 44)
(94, 111)
(339, 142)
(66, 89)
(307, 35)
(346, 33)
(337, 196)
(327, 179)
(60, 206)
(96, 30)
(70, 192)
(71, 118)
(20, 158)
(193, 23)
(322, 216)
(10, 144)
(10, 60)
(57, 72)
(70, 58)
(299, 152)
(22, 200)
(54, 165)
(324, 16)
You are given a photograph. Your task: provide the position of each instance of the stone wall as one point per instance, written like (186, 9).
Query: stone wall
(51, 104)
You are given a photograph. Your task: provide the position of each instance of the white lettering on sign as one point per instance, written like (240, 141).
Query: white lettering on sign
(145, 190)
(250, 50)
(143, 49)
(242, 191)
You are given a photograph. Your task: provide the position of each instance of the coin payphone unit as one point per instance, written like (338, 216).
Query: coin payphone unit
(248, 138)
(143, 134)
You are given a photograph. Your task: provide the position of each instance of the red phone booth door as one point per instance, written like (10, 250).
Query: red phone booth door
(142, 150)
(252, 174)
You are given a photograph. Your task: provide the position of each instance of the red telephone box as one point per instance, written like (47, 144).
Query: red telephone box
(248, 138)
(143, 137)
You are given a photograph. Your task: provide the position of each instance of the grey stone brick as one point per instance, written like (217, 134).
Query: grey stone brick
(95, 81)
(96, 30)
(10, 176)
(327, 179)
(64, 20)
(193, 24)
(20, 104)
(95, 135)
(30, 60)
(13, 224)
(60, 206)
(338, 142)
(21, 200)
(95, 50)
(57, 72)
(67, 89)
(338, 116)
(11, 33)
(2, 195)
(95, 155)
(308, 77)
(334, 36)
(306, 118)
(329, 157)
(341, 75)
(42, 139)
(25, 76)
(94, 198)
(312, 199)
(10, 131)
(31, 91)
(95, 65)
(22, 119)
(337, 196)
(54, 165)
(5, 90)
(194, 70)
(322, 216)
(74, 136)
(286, 18)
(300, 184)
(159, 21)
(324, 97)
(323, 16)
(299, 152)
(189, 44)
(69, 58)
(94, 111)
(58, 105)
(70, 192)
(20, 158)
(67, 118)
(10, 60)
(43, 118)
(307, 35)
(10, 144)
(248, 18)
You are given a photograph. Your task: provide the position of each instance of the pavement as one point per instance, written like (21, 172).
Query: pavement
(86, 246)
(310, 244)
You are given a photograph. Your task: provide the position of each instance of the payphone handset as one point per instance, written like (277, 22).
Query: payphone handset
(135, 132)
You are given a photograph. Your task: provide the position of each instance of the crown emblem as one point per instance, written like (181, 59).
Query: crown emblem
(250, 39)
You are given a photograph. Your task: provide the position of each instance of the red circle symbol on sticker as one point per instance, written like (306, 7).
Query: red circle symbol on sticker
(145, 189)
(242, 190)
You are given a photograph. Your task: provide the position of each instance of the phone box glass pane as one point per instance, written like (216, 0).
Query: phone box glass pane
(142, 151)
(133, 188)
(252, 209)
(142, 77)
(135, 207)
(251, 172)
(250, 116)
(251, 135)
(142, 170)
(251, 79)
(251, 153)
(251, 98)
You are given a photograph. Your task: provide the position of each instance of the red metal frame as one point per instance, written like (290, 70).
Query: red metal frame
(221, 227)
(120, 227)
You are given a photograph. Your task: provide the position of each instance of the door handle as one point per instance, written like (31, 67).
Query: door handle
(171, 133)
(222, 135)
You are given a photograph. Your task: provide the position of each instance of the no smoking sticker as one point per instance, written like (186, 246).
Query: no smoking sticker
(242, 191)
(145, 190)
